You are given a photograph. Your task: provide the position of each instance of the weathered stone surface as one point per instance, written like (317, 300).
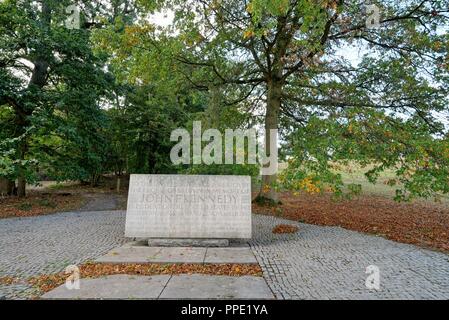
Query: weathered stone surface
(198, 286)
(188, 242)
(143, 254)
(230, 255)
(180, 255)
(189, 206)
(113, 287)
(130, 254)
(166, 287)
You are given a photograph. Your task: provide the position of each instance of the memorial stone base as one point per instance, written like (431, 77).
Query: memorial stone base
(164, 242)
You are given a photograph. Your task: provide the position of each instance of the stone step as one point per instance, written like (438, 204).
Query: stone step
(166, 242)
(193, 286)
(144, 254)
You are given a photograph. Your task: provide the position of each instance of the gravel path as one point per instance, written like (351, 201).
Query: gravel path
(316, 263)
(330, 263)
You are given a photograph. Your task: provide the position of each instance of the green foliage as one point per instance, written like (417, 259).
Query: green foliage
(225, 169)
(113, 90)
(54, 125)
(388, 110)
(262, 201)
(149, 119)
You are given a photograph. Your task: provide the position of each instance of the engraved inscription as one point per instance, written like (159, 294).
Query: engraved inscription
(189, 206)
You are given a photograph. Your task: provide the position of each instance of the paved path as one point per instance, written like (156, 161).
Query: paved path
(316, 263)
(47, 244)
(182, 286)
(330, 263)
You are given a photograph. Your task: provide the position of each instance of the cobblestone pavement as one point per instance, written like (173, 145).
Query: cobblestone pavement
(316, 263)
(47, 244)
(330, 263)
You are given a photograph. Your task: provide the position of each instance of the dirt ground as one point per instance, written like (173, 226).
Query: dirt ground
(39, 203)
(50, 197)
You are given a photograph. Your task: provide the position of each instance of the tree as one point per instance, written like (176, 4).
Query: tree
(52, 83)
(155, 98)
(151, 100)
(287, 52)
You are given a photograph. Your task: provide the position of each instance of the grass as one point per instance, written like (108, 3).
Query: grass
(355, 174)
(57, 186)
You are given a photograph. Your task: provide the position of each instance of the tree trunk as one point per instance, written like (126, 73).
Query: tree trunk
(213, 110)
(38, 79)
(118, 184)
(21, 179)
(94, 179)
(21, 186)
(267, 191)
(151, 160)
(6, 187)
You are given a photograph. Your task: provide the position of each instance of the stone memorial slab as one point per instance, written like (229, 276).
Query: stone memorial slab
(189, 206)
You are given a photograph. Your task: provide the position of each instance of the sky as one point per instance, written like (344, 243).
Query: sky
(162, 19)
